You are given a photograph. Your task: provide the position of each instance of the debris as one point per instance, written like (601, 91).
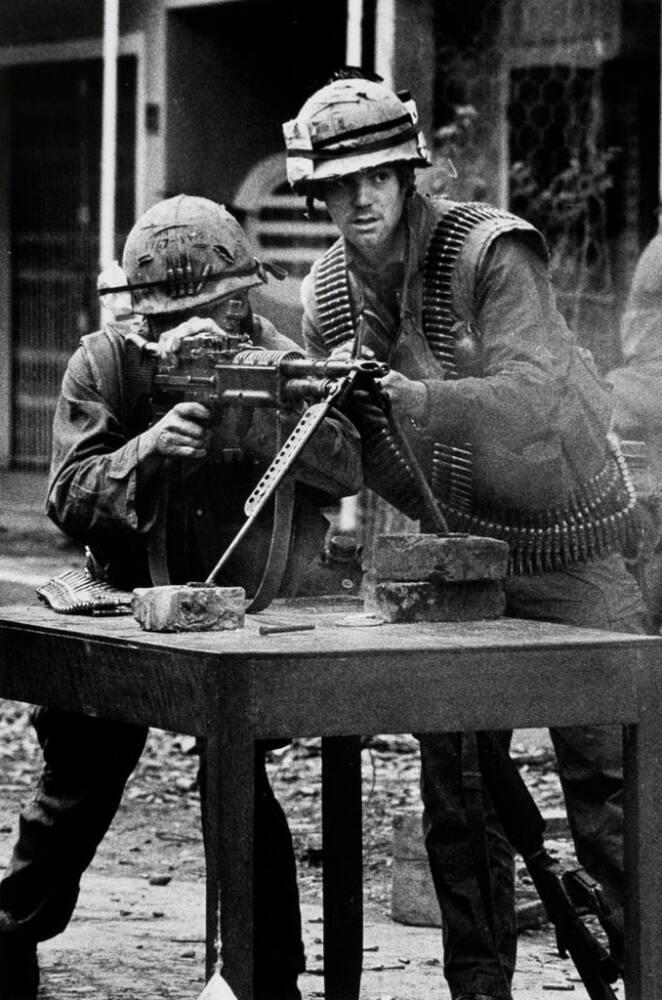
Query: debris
(217, 989)
(160, 879)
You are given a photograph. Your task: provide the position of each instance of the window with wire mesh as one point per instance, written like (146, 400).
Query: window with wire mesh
(520, 115)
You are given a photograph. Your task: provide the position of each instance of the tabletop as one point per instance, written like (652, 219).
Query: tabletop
(345, 674)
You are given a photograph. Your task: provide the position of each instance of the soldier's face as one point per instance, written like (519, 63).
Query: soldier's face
(367, 207)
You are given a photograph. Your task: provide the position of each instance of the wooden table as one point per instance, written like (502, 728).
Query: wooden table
(338, 681)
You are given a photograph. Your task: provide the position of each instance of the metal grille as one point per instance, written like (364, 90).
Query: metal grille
(280, 233)
(523, 112)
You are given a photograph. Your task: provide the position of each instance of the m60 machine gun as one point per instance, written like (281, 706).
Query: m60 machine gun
(236, 380)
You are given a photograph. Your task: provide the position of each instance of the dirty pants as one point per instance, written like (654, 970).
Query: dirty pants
(479, 953)
(87, 763)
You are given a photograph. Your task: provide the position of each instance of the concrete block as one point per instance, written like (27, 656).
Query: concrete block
(456, 557)
(189, 608)
(431, 601)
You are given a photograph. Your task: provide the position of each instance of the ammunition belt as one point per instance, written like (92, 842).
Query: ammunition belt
(333, 299)
(387, 471)
(443, 250)
(452, 466)
(598, 518)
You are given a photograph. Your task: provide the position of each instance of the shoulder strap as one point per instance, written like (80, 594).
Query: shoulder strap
(138, 378)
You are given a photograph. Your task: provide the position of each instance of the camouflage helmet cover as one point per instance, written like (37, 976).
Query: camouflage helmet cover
(351, 125)
(184, 252)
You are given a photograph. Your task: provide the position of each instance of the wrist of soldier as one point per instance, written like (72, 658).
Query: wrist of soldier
(149, 458)
(418, 404)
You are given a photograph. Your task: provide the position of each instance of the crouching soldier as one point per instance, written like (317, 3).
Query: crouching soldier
(189, 271)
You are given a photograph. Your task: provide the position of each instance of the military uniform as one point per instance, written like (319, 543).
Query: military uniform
(514, 443)
(98, 494)
(638, 408)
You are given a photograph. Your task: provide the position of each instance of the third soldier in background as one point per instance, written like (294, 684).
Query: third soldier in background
(509, 419)
(637, 416)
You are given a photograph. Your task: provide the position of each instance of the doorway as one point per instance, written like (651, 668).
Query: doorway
(54, 184)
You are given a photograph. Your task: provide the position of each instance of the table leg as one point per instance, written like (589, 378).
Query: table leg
(643, 839)
(343, 866)
(229, 842)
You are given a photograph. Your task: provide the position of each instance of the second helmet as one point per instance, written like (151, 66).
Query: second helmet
(184, 252)
(351, 125)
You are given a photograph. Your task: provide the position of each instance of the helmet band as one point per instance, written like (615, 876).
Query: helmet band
(355, 133)
(184, 281)
(370, 147)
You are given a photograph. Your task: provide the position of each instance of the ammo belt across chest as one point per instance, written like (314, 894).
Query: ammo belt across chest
(597, 518)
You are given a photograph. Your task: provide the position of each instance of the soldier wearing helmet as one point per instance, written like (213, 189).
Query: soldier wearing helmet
(188, 270)
(508, 419)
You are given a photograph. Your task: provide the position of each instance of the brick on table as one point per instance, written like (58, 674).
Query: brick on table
(187, 608)
(432, 601)
(456, 557)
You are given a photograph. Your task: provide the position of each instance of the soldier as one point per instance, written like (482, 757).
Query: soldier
(637, 416)
(189, 268)
(508, 418)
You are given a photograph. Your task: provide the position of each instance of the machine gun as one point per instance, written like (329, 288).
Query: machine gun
(567, 892)
(233, 378)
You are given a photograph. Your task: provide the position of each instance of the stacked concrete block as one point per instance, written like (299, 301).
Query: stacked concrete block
(437, 578)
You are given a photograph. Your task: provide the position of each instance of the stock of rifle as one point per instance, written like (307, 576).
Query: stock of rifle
(567, 892)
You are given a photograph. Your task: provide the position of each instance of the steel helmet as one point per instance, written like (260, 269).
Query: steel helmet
(349, 125)
(184, 252)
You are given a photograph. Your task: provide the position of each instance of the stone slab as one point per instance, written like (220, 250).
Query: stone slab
(189, 608)
(431, 601)
(439, 557)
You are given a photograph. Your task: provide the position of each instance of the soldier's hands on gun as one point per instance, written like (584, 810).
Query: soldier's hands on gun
(406, 396)
(182, 432)
(170, 340)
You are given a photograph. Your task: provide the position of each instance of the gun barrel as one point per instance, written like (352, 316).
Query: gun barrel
(296, 389)
(329, 368)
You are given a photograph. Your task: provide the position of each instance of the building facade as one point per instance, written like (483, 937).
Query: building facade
(549, 106)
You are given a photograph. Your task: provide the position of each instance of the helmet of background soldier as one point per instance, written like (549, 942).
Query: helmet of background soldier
(352, 124)
(185, 252)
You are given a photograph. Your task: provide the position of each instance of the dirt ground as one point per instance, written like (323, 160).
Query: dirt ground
(138, 931)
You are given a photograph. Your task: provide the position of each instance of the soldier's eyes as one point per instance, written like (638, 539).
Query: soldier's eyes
(380, 177)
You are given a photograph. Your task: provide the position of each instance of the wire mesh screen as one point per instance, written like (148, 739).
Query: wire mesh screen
(523, 119)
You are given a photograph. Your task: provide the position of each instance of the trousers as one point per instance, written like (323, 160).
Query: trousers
(480, 947)
(87, 763)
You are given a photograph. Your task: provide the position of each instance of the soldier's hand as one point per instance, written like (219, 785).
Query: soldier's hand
(408, 397)
(183, 432)
(170, 341)
(345, 352)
